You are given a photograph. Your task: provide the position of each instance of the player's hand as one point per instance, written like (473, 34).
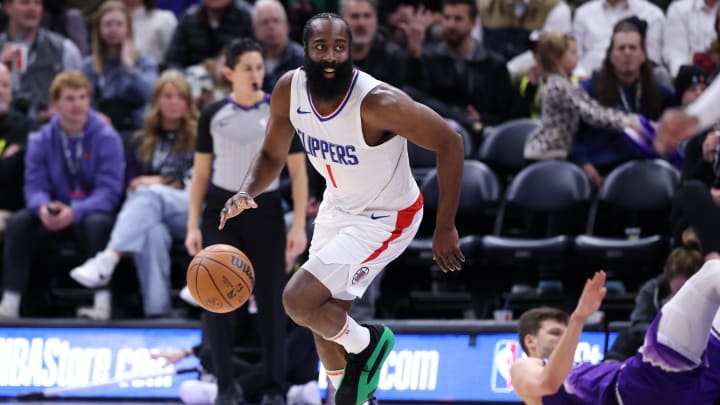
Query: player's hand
(446, 249)
(235, 205)
(592, 296)
(193, 241)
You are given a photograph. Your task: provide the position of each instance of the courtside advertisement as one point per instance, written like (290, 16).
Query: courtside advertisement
(419, 368)
(33, 359)
(461, 367)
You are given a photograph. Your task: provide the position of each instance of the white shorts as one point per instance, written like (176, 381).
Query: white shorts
(348, 251)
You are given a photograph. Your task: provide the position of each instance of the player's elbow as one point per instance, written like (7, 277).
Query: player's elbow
(453, 145)
(271, 160)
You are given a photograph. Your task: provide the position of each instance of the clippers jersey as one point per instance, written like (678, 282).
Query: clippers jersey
(359, 177)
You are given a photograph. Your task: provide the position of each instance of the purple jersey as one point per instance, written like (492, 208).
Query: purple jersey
(641, 379)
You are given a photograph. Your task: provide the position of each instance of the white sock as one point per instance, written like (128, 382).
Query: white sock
(353, 337)
(102, 299)
(11, 300)
(687, 317)
(335, 376)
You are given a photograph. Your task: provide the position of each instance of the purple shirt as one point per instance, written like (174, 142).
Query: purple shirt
(638, 382)
(99, 178)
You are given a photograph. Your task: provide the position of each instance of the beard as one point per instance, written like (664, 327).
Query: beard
(324, 89)
(454, 39)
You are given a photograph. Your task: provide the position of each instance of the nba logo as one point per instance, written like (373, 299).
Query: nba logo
(506, 351)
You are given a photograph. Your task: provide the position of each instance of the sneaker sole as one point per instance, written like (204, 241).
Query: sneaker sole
(377, 358)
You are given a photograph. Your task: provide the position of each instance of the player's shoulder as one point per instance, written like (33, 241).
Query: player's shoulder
(281, 91)
(384, 97)
(285, 81)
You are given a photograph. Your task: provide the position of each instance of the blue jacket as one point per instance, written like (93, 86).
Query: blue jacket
(102, 167)
(607, 147)
(132, 86)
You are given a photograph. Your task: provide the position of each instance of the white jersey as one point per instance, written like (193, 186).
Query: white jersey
(359, 177)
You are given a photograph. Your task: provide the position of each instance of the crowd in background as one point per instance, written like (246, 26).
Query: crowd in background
(109, 111)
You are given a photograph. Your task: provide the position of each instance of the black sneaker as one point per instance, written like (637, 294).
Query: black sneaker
(362, 371)
(232, 395)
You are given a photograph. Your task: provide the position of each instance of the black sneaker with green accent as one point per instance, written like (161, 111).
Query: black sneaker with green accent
(362, 371)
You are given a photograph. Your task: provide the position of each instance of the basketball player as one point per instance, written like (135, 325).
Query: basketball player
(354, 131)
(676, 365)
(681, 124)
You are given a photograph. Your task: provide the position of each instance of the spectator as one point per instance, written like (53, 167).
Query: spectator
(14, 129)
(35, 56)
(272, 31)
(594, 21)
(87, 7)
(689, 29)
(155, 211)
(74, 168)
(204, 29)
(371, 51)
(300, 13)
(626, 82)
(121, 77)
(697, 202)
(207, 81)
(564, 103)
(700, 151)
(680, 265)
(506, 26)
(466, 81)
(153, 28)
(709, 59)
(176, 6)
(68, 22)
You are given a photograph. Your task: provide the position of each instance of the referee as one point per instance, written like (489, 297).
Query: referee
(231, 133)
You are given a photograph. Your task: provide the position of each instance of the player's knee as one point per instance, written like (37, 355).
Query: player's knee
(293, 303)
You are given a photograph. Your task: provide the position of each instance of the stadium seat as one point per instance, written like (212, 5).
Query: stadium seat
(479, 197)
(544, 207)
(628, 225)
(502, 147)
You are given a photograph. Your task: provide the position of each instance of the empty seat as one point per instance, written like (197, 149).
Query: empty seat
(479, 197)
(544, 207)
(502, 147)
(628, 225)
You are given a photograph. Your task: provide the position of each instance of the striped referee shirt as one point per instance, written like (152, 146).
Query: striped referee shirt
(234, 134)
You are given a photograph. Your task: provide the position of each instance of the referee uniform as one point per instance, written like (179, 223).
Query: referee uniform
(234, 134)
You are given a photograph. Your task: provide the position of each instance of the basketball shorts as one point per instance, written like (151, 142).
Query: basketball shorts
(348, 251)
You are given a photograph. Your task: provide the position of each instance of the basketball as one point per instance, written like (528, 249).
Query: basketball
(220, 278)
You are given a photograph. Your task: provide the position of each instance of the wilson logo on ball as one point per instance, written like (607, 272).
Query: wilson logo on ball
(242, 266)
